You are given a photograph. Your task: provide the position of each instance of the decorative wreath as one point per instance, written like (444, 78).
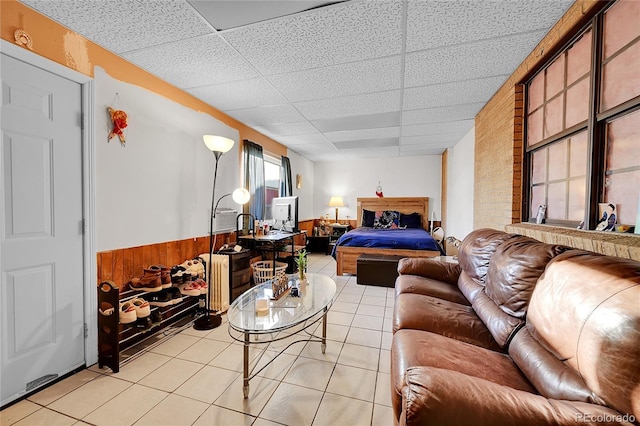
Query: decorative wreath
(119, 122)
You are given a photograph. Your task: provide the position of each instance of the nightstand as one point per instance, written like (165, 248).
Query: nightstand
(337, 230)
(318, 244)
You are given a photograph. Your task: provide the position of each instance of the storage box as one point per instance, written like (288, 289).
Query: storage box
(377, 269)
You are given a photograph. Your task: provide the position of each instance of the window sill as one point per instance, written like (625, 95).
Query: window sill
(617, 244)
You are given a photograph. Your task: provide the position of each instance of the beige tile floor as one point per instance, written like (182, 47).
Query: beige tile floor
(195, 377)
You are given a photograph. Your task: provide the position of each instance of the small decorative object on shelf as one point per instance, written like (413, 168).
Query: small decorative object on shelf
(280, 286)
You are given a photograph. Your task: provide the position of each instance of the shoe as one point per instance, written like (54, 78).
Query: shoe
(165, 275)
(144, 323)
(176, 296)
(190, 289)
(156, 317)
(150, 280)
(176, 274)
(160, 298)
(142, 307)
(204, 288)
(195, 267)
(127, 313)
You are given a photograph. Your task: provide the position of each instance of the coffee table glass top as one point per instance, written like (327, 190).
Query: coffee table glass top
(284, 313)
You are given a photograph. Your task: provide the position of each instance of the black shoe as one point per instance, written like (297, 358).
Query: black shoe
(156, 317)
(144, 323)
(176, 296)
(160, 298)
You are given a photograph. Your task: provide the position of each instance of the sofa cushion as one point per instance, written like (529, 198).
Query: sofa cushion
(500, 324)
(460, 322)
(514, 270)
(585, 309)
(429, 287)
(476, 251)
(412, 348)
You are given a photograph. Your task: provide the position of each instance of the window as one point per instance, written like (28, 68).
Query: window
(272, 181)
(583, 132)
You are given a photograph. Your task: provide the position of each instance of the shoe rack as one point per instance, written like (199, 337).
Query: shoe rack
(114, 338)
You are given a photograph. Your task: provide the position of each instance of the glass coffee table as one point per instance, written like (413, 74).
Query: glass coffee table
(287, 314)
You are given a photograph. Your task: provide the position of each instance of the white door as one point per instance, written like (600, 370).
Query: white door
(41, 248)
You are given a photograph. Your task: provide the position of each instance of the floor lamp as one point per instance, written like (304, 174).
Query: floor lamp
(218, 145)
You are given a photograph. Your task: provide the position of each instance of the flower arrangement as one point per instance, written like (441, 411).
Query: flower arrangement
(119, 123)
(301, 262)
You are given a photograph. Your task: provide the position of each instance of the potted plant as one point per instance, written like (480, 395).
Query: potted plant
(301, 262)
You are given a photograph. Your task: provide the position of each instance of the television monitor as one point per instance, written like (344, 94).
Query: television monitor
(285, 213)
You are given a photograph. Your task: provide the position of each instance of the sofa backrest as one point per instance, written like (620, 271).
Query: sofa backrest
(515, 267)
(474, 257)
(582, 335)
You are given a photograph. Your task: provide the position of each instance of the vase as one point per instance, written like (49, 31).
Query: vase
(302, 283)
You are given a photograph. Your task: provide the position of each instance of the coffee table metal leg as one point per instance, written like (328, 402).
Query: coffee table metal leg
(324, 331)
(245, 384)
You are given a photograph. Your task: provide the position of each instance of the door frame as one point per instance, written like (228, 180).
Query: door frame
(88, 186)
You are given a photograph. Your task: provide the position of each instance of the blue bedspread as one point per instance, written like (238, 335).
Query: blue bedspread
(410, 239)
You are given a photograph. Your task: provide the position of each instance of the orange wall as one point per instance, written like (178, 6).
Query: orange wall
(57, 43)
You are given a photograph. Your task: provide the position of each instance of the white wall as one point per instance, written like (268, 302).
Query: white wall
(460, 180)
(418, 176)
(305, 168)
(158, 187)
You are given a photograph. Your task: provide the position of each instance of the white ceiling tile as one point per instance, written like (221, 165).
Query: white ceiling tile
(127, 24)
(468, 61)
(311, 139)
(438, 128)
(267, 115)
(287, 129)
(194, 62)
(367, 143)
(349, 135)
(370, 103)
(441, 114)
(345, 32)
(440, 23)
(388, 151)
(331, 156)
(440, 139)
(422, 150)
(456, 93)
(239, 94)
(375, 75)
(371, 121)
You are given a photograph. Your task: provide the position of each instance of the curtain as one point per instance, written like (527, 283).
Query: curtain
(254, 178)
(286, 188)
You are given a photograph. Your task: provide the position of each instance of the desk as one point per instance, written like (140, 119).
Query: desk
(285, 316)
(274, 240)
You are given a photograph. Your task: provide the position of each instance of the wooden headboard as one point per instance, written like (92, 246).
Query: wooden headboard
(404, 205)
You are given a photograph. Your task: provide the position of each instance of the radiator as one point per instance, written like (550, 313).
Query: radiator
(219, 286)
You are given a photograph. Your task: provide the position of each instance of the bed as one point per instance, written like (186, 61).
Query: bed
(367, 240)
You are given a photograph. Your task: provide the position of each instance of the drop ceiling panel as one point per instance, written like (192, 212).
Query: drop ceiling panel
(440, 23)
(311, 139)
(372, 121)
(229, 14)
(194, 62)
(126, 25)
(413, 150)
(375, 75)
(440, 139)
(267, 115)
(449, 94)
(370, 103)
(348, 135)
(468, 61)
(240, 94)
(367, 143)
(354, 154)
(346, 32)
(441, 114)
(287, 129)
(438, 128)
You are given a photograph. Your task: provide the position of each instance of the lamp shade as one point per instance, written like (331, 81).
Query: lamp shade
(218, 143)
(336, 202)
(240, 196)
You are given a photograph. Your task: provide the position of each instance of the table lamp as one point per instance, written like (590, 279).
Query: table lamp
(336, 202)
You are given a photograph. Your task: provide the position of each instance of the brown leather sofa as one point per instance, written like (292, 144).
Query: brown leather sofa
(518, 333)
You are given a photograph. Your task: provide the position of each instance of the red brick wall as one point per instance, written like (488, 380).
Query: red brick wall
(499, 129)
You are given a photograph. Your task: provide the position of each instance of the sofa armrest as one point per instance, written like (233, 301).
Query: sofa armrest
(434, 396)
(441, 271)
